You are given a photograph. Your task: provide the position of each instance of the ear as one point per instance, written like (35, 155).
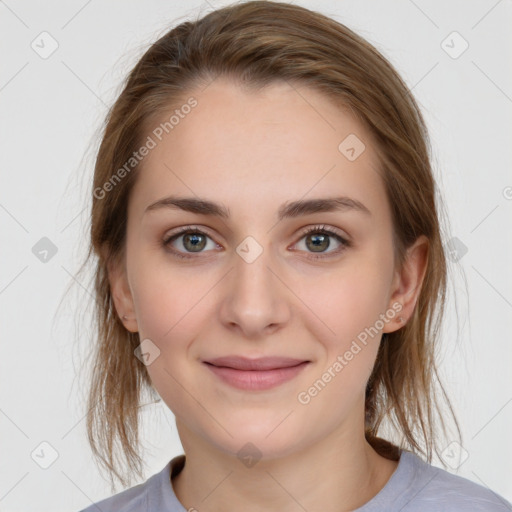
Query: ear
(407, 283)
(121, 292)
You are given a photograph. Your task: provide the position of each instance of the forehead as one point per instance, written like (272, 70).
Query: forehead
(250, 149)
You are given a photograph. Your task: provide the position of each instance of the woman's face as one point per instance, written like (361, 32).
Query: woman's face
(253, 283)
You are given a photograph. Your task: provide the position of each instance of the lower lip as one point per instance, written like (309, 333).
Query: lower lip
(256, 379)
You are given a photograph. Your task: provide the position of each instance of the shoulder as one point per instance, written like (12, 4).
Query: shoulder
(129, 500)
(152, 495)
(437, 489)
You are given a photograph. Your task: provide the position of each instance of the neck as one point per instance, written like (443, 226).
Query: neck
(338, 473)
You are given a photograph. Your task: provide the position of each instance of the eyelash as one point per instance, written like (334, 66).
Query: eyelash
(320, 229)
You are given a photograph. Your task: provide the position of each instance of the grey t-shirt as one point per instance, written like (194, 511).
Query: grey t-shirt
(415, 486)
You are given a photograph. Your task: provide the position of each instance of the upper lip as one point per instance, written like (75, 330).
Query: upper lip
(262, 363)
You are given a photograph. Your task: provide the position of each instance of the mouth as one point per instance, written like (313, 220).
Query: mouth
(255, 374)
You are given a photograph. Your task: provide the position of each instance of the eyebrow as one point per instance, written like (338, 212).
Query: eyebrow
(287, 210)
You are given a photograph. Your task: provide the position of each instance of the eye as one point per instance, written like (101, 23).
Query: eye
(318, 240)
(189, 240)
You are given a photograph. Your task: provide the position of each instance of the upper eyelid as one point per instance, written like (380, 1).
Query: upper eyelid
(185, 229)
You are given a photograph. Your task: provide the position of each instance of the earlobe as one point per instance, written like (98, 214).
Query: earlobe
(408, 283)
(121, 295)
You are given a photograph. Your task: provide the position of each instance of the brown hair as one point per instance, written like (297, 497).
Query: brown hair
(257, 43)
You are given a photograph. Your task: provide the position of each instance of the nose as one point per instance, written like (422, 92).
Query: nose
(255, 298)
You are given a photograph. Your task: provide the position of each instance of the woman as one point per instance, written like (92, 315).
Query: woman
(270, 263)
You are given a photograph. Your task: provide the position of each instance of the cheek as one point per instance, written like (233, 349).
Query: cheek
(351, 308)
(350, 304)
(172, 307)
(170, 313)
(349, 300)
(166, 298)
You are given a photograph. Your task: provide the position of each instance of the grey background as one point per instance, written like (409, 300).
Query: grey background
(50, 111)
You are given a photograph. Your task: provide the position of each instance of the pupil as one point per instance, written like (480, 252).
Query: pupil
(318, 240)
(195, 240)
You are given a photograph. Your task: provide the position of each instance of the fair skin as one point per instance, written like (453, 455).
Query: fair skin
(253, 152)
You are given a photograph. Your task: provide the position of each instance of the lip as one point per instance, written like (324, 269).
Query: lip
(255, 374)
(260, 363)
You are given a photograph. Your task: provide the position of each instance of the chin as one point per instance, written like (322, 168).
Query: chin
(261, 438)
